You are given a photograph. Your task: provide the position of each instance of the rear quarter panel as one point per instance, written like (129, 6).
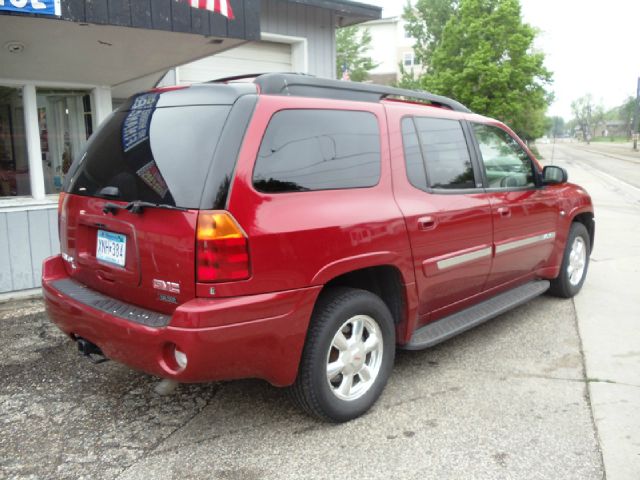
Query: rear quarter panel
(301, 239)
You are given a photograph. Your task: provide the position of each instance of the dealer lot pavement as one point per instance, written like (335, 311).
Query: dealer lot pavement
(509, 399)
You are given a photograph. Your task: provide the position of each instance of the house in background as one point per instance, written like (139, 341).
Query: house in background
(66, 63)
(391, 45)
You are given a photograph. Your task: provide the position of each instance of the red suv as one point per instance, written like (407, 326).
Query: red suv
(299, 230)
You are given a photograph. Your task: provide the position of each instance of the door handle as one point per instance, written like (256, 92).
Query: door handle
(504, 212)
(427, 223)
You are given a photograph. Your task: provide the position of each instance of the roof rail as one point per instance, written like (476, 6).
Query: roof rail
(236, 77)
(309, 86)
(246, 76)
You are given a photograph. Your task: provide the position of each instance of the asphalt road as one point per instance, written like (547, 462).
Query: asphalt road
(509, 399)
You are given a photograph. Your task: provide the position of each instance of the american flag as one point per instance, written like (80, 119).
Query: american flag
(223, 7)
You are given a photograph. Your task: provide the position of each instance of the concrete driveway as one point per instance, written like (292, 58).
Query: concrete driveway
(509, 399)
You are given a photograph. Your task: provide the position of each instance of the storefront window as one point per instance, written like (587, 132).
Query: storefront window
(14, 162)
(65, 124)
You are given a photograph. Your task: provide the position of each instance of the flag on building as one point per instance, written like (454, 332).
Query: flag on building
(345, 72)
(223, 7)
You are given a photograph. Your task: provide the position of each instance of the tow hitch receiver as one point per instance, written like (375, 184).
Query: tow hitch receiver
(90, 351)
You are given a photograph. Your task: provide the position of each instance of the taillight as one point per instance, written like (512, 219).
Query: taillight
(222, 250)
(60, 205)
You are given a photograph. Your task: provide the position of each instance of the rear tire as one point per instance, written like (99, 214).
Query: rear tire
(575, 263)
(348, 355)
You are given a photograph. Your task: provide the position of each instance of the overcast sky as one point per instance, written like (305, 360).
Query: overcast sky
(591, 46)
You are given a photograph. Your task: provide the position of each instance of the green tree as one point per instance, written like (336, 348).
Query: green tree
(352, 46)
(625, 113)
(408, 79)
(587, 115)
(556, 126)
(485, 59)
(425, 22)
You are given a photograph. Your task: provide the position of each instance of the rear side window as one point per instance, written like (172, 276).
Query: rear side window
(158, 155)
(447, 160)
(305, 150)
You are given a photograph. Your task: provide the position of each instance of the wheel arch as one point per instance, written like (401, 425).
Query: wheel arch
(587, 219)
(385, 281)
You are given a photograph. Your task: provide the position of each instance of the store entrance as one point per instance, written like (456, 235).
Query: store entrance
(65, 124)
(14, 162)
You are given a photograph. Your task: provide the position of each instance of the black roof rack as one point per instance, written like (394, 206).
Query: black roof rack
(309, 86)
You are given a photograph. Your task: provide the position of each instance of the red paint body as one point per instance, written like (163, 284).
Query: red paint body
(298, 242)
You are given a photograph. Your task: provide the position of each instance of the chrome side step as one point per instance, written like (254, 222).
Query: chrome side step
(447, 327)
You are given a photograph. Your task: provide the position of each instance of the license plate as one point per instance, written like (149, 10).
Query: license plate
(111, 248)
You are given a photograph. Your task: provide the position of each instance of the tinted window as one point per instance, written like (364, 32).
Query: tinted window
(158, 155)
(446, 153)
(506, 164)
(412, 155)
(318, 150)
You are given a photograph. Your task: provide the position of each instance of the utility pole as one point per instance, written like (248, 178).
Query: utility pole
(589, 124)
(636, 118)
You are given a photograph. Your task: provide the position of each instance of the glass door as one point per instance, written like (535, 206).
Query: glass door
(14, 162)
(65, 124)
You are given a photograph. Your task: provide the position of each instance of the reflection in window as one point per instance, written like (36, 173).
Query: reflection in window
(412, 155)
(506, 164)
(65, 124)
(446, 154)
(14, 161)
(318, 150)
(158, 155)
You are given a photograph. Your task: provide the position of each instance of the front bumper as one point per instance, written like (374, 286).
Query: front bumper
(264, 341)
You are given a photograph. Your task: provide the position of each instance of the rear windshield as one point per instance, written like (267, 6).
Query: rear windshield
(158, 155)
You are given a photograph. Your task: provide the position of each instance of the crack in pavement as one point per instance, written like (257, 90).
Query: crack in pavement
(148, 452)
(587, 392)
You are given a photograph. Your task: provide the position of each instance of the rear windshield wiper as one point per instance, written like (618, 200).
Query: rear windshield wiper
(137, 206)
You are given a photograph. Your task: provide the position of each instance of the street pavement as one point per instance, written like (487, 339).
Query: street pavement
(510, 399)
(608, 307)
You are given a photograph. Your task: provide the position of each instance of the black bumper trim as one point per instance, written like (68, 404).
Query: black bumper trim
(125, 311)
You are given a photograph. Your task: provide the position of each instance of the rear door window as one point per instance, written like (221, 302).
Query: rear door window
(158, 155)
(305, 150)
(446, 155)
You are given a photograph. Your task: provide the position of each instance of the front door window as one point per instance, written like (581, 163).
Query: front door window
(506, 164)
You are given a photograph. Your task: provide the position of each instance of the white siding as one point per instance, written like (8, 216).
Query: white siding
(26, 239)
(315, 24)
(253, 57)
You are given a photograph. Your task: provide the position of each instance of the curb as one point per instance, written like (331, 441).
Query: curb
(30, 294)
(611, 155)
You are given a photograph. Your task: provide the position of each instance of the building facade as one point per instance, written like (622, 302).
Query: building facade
(391, 46)
(64, 64)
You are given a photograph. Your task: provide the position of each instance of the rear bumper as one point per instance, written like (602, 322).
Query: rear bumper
(264, 342)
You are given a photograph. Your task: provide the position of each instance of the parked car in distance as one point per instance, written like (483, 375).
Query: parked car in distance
(299, 230)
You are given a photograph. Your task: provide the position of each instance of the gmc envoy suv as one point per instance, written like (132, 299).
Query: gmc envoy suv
(299, 230)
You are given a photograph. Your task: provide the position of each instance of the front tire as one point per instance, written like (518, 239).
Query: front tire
(348, 355)
(575, 263)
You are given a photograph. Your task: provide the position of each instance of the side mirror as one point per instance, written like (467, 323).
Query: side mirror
(552, 174)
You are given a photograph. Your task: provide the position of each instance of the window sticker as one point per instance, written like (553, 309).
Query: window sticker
(135, 128)
(150, 174)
